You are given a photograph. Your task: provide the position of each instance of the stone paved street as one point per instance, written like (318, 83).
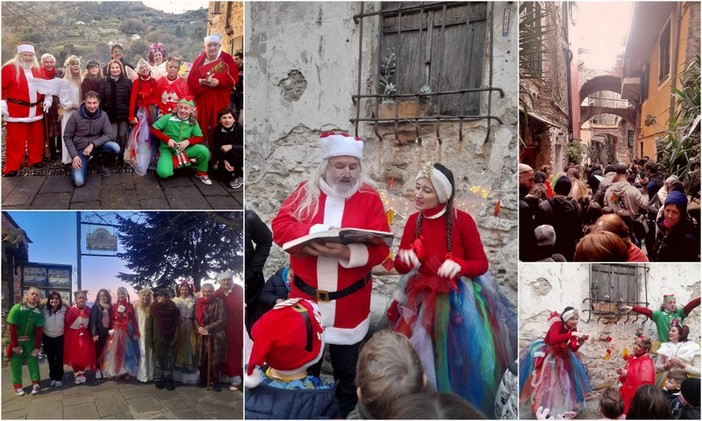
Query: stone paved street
(119, 191)
(108, 399)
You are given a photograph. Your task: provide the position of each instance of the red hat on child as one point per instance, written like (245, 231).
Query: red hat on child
(289, 338)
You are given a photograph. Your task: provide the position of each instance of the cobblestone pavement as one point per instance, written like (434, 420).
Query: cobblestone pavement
(109, 399)
(119, 191)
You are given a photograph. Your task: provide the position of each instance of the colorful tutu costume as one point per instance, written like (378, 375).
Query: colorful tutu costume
(79, 347)
(463, 329)
(551, 372)
(121, 354)
(142, 147)
(639, 371)
(186, 367)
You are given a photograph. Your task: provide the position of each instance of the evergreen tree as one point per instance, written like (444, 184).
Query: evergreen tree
(161, 247)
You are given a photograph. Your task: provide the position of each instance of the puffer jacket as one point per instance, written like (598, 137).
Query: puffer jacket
(82, 130)
(266, 402)
(115, 96)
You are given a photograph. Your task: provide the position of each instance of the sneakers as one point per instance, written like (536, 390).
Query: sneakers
(35, 389)
(204, 178)
(98, 374)
(80, 377)
(59, 383)
(19, 391)
(236, 183)
(53, 383)
(104, 170)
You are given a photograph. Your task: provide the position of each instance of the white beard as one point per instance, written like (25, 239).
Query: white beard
(340, 189)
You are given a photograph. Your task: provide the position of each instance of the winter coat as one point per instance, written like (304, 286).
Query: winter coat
(266, 402)
(215, 321)
(565, 216)
(274, 289)
(82, 130)
(655, 182)
(115, 96)
(680, 244)
(234, 138)
(605, 183)
(258, 242)
(622, 195)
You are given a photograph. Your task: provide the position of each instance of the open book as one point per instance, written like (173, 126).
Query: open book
(343, 235)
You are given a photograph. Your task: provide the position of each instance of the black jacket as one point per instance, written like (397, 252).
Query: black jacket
(681, 244)
(115, 97)
(274, 289)
(565, 216)
(258, 242)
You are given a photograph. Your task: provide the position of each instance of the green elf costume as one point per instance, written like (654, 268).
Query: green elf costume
(181, 127)
(26, 324)
(663, 317)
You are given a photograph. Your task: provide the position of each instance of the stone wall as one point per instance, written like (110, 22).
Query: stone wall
(231, 29)
(545, 288)
(301, 73)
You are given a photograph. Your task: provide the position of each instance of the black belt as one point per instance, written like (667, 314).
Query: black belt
(20, 102)
(322, 295)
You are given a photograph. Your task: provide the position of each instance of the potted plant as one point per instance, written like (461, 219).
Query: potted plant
(390, 107)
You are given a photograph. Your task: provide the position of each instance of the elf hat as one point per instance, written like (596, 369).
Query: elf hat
(667, 297)
(289, 338)
(340, 144)
(189, 99)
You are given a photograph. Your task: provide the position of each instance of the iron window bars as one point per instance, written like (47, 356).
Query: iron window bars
(614, 285)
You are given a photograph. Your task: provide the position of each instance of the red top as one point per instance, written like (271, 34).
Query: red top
(559, 337)
(467, 249)
(121, 320)
(144, 93)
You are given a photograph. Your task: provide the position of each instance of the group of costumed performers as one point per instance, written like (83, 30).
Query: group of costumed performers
(188, 339)
(129, 97)
(552, 374)
(462, 328)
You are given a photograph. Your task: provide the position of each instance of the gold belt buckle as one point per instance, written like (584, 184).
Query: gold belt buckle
(322, 295)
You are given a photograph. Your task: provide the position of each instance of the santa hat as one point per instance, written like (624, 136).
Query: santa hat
(340, 144)
(213, 38)
(226, 275)
(25, 48)
(289, 338)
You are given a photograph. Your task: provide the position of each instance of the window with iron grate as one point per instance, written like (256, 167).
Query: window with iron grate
(614, 285)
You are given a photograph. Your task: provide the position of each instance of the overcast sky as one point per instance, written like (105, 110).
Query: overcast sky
(176, 6)
(601, 28)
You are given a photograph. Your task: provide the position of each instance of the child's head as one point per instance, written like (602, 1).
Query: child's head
(388, 368)
(433, 406)
(690, 392)
(289, 338)
(642, 345)
(649, 402)
(611, 403)
(674, 380)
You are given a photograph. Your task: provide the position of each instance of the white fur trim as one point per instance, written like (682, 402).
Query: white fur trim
(213, 38)
(341, 336)
(358, 256)
(254, 379)
(25, 48)
(538, 354)
(340, 145)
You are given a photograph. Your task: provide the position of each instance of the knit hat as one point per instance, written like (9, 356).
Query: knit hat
(441, 178)
(25, 48)
(289, 338)
(92, 63)
(545, 235)
(677, 198)
(563, 185)
(340, 144)
(690, 390)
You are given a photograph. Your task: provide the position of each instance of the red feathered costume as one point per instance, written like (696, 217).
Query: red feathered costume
(209, 101)
(24, 125)
(639, 371)
(78, 344)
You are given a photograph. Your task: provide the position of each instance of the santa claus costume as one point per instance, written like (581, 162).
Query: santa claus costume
(22, 110)
(342, 288)
(170, 89)
(463, 330)
(79, 347)
(552, 374)
(210, 100)
(233, 299)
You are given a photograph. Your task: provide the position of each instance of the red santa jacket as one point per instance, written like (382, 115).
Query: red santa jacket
(18, 89)
(348, 318)
(227, 72)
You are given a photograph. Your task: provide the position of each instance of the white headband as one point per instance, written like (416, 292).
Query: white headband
(568, 314)
(442, 185)
(25, 48)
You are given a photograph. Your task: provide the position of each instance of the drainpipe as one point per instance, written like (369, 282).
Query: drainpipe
(568, 60)
(677, 17)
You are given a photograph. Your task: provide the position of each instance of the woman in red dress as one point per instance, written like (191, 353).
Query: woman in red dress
(79, 347)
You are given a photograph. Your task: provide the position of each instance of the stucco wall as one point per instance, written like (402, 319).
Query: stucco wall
(546, 288)
(302, 64)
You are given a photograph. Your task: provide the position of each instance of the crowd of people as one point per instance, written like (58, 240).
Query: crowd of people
(126, 113)
(618, 213)
(554, 379)
(451, 334)
(194, 338)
